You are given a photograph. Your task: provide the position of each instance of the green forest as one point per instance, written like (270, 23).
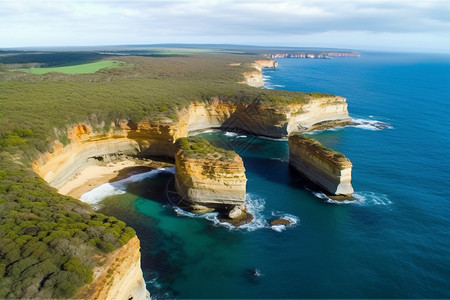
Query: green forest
(48, 241)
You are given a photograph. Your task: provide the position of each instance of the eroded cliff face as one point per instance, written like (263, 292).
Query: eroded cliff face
(327, 168)
(275, 120)
(318, 111)
(86, 146)
(203, 116)
(118, 277)
(210, 180)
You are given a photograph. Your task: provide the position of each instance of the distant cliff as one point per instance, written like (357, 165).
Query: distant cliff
(311, 54)
(255, 78)
(208, 176)
(327, 168)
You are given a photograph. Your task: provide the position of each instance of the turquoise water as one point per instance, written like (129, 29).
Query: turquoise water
(392, 242)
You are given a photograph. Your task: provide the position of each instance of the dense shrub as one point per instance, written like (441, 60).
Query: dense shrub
(44, 236)
(197, 147)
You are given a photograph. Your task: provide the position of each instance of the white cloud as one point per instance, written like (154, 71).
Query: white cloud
(83, 22)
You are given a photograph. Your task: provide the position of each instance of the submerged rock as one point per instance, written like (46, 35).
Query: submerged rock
(280, 221)
(238, 220)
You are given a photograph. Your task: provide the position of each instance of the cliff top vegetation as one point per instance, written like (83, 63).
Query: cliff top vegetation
(197, 147)
(318, 147)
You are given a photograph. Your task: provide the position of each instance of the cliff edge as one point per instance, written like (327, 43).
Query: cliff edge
(327, 168)
(118, 277)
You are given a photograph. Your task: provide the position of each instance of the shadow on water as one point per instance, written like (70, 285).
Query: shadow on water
(162, 252)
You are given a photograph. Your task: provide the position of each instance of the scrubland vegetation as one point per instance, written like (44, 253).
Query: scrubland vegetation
(49, 242)
(197, 147)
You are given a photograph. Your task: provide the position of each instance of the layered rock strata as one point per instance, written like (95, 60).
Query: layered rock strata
(273, 120)
(85, 146)
(327, 168)
(119, 276)
(209, 176)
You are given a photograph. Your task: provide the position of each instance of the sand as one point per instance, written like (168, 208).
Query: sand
(97, 174)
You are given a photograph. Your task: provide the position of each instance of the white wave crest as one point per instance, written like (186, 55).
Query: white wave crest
(293, 220)
(278, 228)
(372, 198)
(371, 124)
(230, 134)
(360, 198)
(202, 131)
(99, 193)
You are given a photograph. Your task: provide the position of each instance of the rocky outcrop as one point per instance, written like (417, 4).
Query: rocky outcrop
(327, 168)
(209, 176)
(118, 277)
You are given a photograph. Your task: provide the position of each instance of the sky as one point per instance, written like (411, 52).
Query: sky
(397, 25)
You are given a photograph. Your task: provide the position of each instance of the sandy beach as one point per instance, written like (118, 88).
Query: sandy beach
(97, 174)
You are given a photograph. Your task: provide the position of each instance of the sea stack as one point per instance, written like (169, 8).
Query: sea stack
(327, 168)
(209, 178)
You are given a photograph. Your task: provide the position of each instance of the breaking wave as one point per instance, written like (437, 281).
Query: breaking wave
(371, 124)
(293, 220)
(360, 198)
(255, 205)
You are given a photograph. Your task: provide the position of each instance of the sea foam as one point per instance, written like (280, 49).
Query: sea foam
(255, 205)
(293, 220)
(366, 198)
(371, 124)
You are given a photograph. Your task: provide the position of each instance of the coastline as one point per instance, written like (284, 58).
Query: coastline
(96, 174)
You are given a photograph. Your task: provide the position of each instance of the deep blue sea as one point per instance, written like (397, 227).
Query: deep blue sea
(393, 241)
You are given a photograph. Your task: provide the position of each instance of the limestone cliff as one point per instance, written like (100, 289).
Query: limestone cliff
(265, 64)
(274, 120)
(157, 138)
(208, 176)
(118, 277)
(254, 78)
(203, 116)
(144, 138)
(327, 168)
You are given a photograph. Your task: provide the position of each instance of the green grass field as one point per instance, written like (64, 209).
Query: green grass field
(88, 68)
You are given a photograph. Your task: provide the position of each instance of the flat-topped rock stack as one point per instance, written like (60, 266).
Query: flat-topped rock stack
(327, 168)
(209, 178)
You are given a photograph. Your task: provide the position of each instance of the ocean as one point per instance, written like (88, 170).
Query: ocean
(393, 241)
